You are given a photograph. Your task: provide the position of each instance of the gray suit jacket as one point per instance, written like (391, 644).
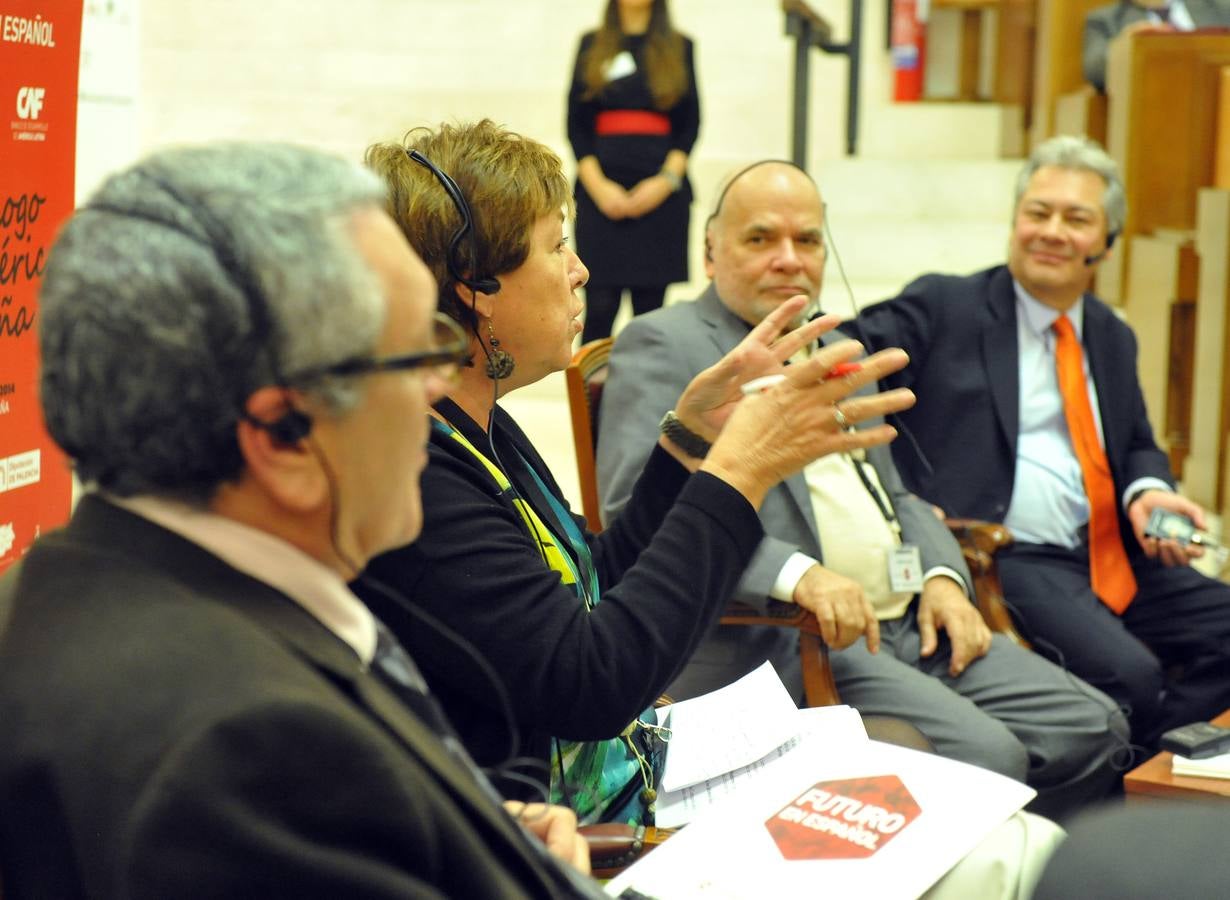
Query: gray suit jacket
(653, 360)
(1103, 23)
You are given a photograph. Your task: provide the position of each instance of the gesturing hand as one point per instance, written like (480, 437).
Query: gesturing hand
(708, 400)
(773, 434)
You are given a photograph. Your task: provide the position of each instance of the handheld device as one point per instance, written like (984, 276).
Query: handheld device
(1198, 740)
(1166, 525)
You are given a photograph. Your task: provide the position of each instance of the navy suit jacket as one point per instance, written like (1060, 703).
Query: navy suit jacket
(961, 335)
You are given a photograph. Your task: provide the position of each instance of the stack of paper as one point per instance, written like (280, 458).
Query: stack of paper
(823, 811)
(1209, 767)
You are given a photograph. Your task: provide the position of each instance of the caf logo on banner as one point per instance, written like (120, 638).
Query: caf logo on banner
(848, 819)
(30, 102)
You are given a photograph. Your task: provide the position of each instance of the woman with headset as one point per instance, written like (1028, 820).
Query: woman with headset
(539, 637)
(633, 116)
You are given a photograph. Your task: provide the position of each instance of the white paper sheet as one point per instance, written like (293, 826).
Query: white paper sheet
(1209, 767)
(823, 729)
(919, 815)
(728, 729)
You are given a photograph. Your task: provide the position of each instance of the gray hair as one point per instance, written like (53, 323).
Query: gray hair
(184, 284)
(1083, 155)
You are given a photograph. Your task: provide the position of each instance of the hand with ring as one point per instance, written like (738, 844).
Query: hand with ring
(773, 433)
(840, 418)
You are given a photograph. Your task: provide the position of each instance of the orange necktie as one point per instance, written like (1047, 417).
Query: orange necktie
(1110, 572)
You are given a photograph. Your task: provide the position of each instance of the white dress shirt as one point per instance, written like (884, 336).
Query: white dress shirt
(310, 583)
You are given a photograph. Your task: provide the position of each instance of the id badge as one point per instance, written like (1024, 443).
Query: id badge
(622, 64)
(905, 573)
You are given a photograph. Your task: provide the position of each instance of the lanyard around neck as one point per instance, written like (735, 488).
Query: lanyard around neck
(577, 570)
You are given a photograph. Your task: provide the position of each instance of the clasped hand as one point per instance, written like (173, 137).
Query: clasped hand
(615, 202)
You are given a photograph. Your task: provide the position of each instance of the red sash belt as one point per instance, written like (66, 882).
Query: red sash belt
(631, 121)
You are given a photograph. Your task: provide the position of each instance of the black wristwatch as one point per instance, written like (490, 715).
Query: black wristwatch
(684, 438)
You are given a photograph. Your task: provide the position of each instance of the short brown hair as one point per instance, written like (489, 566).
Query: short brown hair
(509, 181)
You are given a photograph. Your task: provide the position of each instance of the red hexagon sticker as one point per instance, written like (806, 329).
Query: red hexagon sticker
(847, 819)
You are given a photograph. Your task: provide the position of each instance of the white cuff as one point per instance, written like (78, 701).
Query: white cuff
(1148, 483)
(790, 576)
(935, 571)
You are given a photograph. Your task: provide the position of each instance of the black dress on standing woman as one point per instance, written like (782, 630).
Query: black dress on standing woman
(630, 138)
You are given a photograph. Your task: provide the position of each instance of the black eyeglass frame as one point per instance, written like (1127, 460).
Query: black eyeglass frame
(456, 353)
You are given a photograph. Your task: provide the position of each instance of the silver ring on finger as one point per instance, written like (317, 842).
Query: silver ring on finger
(840, 418)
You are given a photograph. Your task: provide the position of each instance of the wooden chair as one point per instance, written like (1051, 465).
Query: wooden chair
(585, 378)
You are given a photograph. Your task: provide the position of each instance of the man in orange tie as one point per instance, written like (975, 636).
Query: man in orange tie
(1030, 412)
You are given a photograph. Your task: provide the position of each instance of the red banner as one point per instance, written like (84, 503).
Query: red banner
(40, 43)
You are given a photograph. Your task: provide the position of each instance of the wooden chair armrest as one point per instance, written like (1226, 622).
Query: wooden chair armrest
(778, 615)
(819, 687)
(980, 541)
(614, 846)
(988, 537)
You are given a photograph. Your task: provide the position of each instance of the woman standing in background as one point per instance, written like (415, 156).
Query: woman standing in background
(633, 116)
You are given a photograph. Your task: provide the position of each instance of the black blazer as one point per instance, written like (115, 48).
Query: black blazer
(174, 728)
(960, 333)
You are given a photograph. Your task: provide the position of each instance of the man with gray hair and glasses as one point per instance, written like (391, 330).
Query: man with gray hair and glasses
(239, 351)
(1030, 413)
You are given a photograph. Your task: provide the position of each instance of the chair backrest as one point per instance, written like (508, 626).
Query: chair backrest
(585, 378)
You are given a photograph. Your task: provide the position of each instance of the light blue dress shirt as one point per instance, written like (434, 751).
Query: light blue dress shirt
(1049, 504)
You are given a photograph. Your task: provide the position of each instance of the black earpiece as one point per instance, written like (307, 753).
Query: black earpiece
(482, 284)
(290, 429)
(1110, 242)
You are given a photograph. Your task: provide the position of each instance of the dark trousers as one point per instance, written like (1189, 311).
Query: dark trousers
(602, 305)
(1166, 660)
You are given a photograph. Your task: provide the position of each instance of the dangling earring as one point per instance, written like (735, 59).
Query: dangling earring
(500, 363)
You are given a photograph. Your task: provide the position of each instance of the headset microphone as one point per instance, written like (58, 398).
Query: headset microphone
(1098, 257)
(484, 285)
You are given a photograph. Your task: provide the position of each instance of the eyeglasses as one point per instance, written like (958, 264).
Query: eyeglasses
(450, 349)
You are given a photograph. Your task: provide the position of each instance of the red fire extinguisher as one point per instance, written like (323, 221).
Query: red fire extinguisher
(909, 48)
